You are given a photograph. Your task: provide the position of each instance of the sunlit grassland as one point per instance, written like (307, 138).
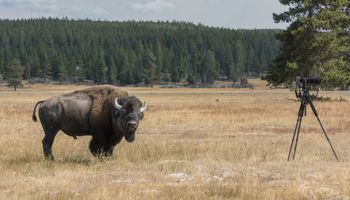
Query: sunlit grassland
(192, 144)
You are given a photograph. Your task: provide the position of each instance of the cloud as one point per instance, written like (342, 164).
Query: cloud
(100, 11)
(79, 12)
(152, 5)
(32, 5)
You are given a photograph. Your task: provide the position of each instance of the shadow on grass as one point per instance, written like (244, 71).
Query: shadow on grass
(81, 160)
(68, 160)
(77, 160)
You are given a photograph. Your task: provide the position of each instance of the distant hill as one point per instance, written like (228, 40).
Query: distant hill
(134, 52)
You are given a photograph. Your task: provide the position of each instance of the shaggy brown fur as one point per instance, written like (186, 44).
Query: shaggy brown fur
(103, 102)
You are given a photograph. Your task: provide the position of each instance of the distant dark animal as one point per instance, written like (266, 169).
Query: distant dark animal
(107, 113)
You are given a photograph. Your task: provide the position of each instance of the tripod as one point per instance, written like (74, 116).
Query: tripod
(305, 99)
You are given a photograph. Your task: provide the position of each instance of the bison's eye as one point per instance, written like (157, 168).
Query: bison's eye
(140, 115)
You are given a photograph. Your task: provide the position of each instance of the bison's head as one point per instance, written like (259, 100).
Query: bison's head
(129, 113)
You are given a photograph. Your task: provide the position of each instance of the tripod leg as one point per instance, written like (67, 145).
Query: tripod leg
(324, 131)
(295, 131)
(296, 141)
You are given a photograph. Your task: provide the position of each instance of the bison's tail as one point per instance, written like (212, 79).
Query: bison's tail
(34, 116)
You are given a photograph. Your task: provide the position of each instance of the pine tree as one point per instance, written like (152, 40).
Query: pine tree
(149, 66)
(175, 77)
(239, 54)
(34, 64)
(335, 43)
(132, 73)
(112, 71)
(13, 73)
(101, 69)
(159, 60)
(62, 70)
(315, 43)
(209, 73)
(230, 67)
(80, 69)
(45, 68)
(1, 62)
(123, 64)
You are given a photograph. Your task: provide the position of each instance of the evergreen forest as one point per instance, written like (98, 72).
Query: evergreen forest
(134, 52)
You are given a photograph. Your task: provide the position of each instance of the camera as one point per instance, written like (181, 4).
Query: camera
(301, 82)
(304, 84)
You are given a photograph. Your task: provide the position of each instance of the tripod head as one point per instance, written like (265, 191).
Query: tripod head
(304, 84)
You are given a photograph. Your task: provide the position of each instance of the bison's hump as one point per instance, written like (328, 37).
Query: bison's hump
(103, 101)
(103, 90)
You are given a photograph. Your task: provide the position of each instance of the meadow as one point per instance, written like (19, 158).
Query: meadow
(192, 144)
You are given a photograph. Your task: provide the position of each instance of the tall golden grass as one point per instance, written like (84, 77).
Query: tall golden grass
(192, 144)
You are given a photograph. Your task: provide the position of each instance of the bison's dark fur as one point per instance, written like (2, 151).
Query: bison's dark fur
(91, 111)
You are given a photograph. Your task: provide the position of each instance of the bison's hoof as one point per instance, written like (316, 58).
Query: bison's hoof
(49, 157)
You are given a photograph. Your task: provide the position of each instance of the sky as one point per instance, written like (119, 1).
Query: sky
(219, 13)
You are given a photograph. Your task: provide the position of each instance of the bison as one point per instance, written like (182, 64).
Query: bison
(107, 113)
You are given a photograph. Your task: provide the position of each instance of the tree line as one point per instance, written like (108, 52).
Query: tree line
(133, 52)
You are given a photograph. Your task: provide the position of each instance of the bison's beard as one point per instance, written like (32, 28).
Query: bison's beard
(129, 136)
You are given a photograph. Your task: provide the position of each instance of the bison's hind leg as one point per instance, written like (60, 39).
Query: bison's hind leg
(50, 134)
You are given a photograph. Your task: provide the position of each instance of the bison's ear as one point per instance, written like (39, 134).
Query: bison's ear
(144, 107)
(142, 115)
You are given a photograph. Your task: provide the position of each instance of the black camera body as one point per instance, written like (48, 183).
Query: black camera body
(303, 84)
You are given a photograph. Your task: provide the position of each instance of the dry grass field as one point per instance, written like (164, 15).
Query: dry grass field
(192, 144)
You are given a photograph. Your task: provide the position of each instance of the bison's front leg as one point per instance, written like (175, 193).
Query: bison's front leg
(99, 147)
(94, 147)
(109, 151)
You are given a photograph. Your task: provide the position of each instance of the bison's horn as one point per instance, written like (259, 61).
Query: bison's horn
(117, 105)
(144, 107)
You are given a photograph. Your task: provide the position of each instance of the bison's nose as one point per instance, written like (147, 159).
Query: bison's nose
(132, 124)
